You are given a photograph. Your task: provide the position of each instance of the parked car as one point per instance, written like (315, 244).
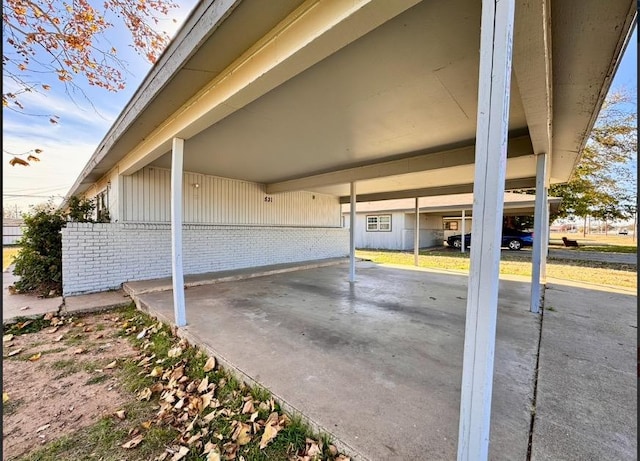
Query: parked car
(511, 239)
(623, 232)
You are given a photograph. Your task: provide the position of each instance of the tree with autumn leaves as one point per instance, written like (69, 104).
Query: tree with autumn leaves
(44, 38)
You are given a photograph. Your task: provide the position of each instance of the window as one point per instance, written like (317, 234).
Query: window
(380, 223)
(102, 206)
(451, 225)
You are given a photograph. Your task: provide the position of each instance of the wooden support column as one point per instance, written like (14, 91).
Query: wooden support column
(538, 232)
(176, 231)
(352, 234)
(545, 242)
(496, 41)
(416, 237)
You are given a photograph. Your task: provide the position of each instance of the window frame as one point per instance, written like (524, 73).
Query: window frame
(378, 224)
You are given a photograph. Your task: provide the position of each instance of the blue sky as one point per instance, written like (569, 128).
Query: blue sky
(68, 146)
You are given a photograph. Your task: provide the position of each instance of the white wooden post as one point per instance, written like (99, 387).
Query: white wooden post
(416, 237)
(463, 232)
(545, 242)
(176, 231)
(352, 234)
(538, 231)
(496, 39)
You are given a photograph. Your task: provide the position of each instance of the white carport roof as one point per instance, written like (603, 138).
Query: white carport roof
(513, 204)
(313, 95)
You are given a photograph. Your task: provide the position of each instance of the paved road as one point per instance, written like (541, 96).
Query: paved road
(621, 258)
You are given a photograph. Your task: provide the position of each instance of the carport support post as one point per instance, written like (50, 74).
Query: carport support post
(538, 231)
(352, 234)
(496, 39)
(176, 231)
(545, 242)
(462, 240)
(416, 237)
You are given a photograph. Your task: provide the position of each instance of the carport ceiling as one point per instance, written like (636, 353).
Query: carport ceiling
(334, 87)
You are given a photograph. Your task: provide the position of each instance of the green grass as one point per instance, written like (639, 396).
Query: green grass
(103, 439)
(516, 263)
(8, 253)
(609, 248)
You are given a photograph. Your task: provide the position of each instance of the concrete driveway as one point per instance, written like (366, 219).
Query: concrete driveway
(377, 364)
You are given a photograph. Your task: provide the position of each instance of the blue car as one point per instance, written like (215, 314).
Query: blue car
(511, 239)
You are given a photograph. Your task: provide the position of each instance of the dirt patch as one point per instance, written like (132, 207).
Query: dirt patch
(63, 379)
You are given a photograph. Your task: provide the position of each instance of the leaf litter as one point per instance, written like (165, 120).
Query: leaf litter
(214, 415)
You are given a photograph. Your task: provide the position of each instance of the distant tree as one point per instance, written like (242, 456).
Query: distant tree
(44, 38)
(604, 183)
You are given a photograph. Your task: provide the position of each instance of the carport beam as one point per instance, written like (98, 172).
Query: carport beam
(416, 237)
(352, 234)
(538, 232)
(176, 231)
(496, 41)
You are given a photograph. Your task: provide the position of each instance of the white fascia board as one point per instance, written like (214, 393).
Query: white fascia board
(312, 32)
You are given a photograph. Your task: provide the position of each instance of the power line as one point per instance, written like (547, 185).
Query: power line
(37, 196)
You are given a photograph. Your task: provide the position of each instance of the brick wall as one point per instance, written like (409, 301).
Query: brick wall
(98, 257)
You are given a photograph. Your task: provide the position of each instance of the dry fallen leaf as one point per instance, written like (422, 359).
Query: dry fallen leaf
(248, 407)
(134, 442)
(121, 414)
(271, 429)
(59, 338)
(7, 338)
(5, 397)
(210, 365)
(24, 324)
(204, 384)
(53, 330)
(79, 351)
(16, 352)
(213, 455)
(146, 424)
(35, 357)
(142, 334)
(42, 428)
(157, 371)
(175, 352)
(24, 308)
(242, 435)
(112, 365)
(144, 394)
(181, 453)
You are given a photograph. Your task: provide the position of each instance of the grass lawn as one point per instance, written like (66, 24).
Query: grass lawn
(8, 253)
(597, 240)
(516, 263)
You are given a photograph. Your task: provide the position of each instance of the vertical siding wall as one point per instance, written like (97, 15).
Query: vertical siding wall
(215, 200)
(98, 257)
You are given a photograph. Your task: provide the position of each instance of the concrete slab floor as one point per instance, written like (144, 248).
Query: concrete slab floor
(586, 405)
(378, 363)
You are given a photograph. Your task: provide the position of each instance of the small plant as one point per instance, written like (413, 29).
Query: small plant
(80, 209)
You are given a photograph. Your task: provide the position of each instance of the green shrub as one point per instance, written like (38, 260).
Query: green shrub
(39, 261)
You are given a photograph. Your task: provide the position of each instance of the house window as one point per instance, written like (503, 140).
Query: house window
(379, 223)
(102, 206)
(451, 225)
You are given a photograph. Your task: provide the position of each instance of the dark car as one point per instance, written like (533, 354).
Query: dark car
(511, 239)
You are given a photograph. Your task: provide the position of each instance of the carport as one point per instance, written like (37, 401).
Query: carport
(372, 100)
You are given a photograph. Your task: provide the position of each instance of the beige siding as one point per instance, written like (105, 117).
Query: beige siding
(215, 200)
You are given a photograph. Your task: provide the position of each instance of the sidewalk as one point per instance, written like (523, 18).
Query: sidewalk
(30, 306)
